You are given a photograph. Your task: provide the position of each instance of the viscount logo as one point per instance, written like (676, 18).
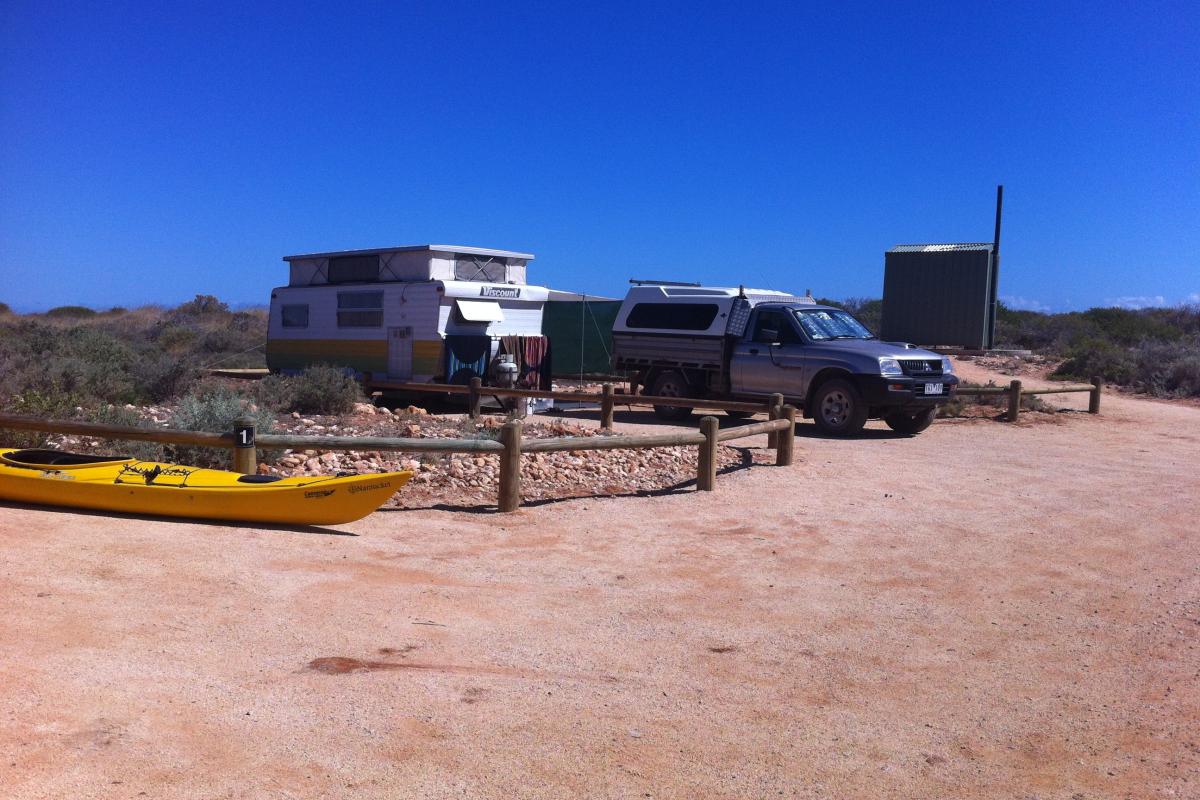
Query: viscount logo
(510, 292)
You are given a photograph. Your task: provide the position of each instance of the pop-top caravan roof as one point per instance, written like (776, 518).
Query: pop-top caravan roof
(420, 262)
(415, 248)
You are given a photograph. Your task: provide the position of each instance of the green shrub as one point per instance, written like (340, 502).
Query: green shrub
(43, 405)
(222, 340)
(159, 377)
(202, 305)
(1090, 356)
(214, 409)
(319, 389)
(176, 338)
(108, 414)
(1127, 327)
(1169, 369)
(70, 312)
(4, 309)
(139, 356)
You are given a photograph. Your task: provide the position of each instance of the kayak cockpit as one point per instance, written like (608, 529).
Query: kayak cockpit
(57, 459)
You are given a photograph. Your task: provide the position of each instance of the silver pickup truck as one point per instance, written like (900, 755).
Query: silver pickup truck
(741, 344)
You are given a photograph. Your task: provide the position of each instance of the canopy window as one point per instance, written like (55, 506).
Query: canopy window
(480, 310)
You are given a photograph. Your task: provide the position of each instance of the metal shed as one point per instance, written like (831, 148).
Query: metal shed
(940, 295)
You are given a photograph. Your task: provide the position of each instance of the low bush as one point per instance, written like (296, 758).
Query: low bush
(319, 389)
(214, 409)
(158, 377)
(119, 415)
(147, 355)
(34, 403)
(204, 304)
(1169, 369)
(70, 312)
(1091, 356)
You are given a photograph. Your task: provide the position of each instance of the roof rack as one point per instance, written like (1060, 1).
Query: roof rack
(636, 282)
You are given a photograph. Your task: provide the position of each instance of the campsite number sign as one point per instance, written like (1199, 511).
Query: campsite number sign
(243, 435)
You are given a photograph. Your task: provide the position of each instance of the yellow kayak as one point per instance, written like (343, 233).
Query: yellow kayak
(53, 477)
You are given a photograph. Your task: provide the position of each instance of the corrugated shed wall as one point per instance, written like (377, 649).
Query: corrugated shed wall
(937, 298)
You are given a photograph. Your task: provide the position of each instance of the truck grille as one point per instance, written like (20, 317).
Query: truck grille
(921, 367)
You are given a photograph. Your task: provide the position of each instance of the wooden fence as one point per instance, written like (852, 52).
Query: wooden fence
(244, 444)
(1015, 391)
(608, 398)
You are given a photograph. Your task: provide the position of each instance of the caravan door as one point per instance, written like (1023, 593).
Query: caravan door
(400, 353)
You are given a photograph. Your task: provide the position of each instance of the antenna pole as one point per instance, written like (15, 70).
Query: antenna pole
(994, 308)
(999, 213)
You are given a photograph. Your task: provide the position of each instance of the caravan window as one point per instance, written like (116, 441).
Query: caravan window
(354, 269)
(480, 268)
(360, 309)
(295, 316)
(672, 316)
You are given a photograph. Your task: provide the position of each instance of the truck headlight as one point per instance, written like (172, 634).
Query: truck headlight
(889, 367)
(947, 367)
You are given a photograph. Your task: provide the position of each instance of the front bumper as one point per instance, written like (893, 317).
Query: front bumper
(905, 391)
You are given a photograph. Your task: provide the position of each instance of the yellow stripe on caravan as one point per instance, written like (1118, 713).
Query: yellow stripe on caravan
(427, 357)
(364, 355)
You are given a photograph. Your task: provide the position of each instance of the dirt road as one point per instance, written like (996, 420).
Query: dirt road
(985, 610)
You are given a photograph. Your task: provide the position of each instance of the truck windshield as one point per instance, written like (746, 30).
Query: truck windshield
(821, 324)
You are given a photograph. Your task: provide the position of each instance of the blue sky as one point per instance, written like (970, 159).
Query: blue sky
(151, 152)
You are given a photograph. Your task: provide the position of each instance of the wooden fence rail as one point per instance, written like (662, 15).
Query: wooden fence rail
(607, 399)
(244, 443)
(1015, 391)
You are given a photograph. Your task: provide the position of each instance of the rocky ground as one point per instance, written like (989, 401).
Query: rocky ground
(466, 477)
(470, 476)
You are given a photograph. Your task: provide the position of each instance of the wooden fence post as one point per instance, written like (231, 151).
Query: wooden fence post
(510, 466)
(774, 411)
(1014, 400)
(1094, 397)
(474, 395)
(706, 463)
(787, 438)
(606, 407)
(245, 455)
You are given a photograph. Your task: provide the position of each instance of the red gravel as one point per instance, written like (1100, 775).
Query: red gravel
(985, 610)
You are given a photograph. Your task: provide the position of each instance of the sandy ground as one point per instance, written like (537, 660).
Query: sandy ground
(985, 610)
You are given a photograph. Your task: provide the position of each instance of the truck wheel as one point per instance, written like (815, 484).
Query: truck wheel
(901, 422)
(838, 408)
(671, 384)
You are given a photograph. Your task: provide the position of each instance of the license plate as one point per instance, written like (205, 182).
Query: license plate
(933, 388)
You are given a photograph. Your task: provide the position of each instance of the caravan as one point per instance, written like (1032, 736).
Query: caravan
(425, 313)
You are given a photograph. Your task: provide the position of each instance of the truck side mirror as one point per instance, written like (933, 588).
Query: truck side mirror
(769, 335)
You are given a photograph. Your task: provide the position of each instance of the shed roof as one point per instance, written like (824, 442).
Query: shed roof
(408, 248)
(940, 248)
